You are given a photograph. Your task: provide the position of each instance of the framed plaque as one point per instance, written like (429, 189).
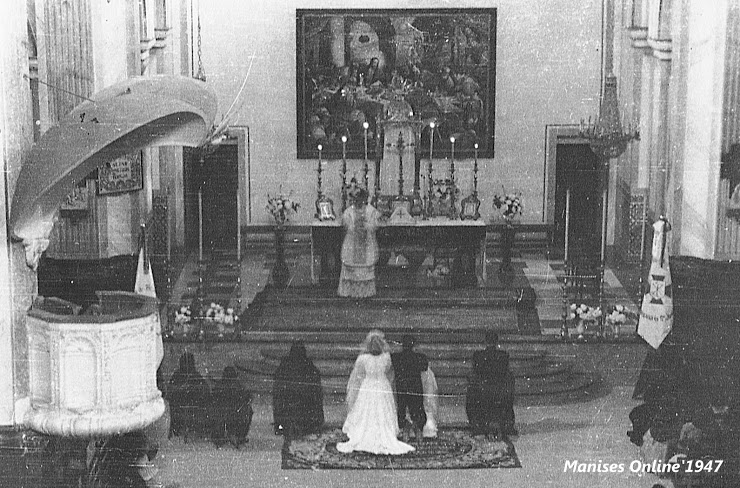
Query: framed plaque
(121, 175)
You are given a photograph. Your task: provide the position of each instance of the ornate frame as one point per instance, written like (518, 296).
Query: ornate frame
(441, 61)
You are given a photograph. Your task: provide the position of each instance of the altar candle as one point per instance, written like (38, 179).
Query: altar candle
(475, 169)
(431, 142)
(452, 160)
(431, 153)
(365, 126)
(344, 156)
(318, 170)
(567, 223)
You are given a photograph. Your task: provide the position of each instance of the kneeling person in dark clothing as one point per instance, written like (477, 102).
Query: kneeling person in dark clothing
(407, 367)
(490, 400)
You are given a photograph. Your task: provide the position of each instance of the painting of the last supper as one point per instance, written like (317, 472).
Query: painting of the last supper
(352, 64)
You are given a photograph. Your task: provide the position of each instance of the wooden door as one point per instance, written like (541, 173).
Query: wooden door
(218, 177)
(577, 168)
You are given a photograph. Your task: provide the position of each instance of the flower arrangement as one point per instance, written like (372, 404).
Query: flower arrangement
(207, 321)
(620, 315)
(224, 318)
(584, 312)
(509, 204)
(281, 207)
(440, 270)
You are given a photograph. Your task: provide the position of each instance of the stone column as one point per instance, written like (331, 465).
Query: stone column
(698, 78)
(17, 281)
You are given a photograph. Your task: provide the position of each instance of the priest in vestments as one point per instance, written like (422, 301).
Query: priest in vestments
(360, 248)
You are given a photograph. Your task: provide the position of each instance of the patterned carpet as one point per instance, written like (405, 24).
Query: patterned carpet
(454, 448)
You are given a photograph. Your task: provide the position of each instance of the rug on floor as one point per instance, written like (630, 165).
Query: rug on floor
(454, 448)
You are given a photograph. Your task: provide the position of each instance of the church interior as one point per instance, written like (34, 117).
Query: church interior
(178, 179)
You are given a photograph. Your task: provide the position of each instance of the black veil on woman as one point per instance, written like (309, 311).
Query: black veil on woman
(297, 397)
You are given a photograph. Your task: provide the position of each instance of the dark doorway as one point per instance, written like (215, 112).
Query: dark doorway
(577, 168)
(219, 176)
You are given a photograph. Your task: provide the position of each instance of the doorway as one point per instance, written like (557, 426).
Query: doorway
(219, 177)
(577, 168)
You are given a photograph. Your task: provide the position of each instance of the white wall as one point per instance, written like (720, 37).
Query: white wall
(548, 72)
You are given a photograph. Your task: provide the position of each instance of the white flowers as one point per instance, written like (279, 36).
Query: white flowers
(183, 315)
(620, 314)
(280, 207)
(584, 312)
(217, 313)
(510, 204)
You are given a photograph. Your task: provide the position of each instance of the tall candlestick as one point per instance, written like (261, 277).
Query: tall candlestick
(475, 170)
(453, 209)
(431, 156)
(366, 168)
(452, 160)
(344, 173)
(318, 171)
(567, 223)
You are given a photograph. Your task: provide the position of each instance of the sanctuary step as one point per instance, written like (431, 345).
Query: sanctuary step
(318, 308)
(541, 376)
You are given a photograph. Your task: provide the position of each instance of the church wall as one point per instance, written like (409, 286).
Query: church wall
(548, 72)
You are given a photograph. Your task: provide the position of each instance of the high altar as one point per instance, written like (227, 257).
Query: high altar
(422, 221)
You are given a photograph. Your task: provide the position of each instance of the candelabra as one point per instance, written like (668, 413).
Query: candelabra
(607, 139)
(453, 209)
(400, 145)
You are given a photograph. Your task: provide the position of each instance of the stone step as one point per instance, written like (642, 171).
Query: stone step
(462, 338)
(459, 369)
(453, 351)
(336, 385)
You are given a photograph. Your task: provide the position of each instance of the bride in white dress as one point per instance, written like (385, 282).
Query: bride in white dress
(372, 423)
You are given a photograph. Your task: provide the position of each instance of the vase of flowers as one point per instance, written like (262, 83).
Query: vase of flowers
(183, 321)
(584, 316)
(510, 207)
(618, 317)
(281, 208)
(221, 320)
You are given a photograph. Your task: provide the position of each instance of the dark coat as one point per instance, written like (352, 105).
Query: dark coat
(297, 396)
(230, 412)
(491, 390)
(407, 368)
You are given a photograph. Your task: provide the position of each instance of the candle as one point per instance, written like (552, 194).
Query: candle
(567, 222)
(366, 168)
(431, 142)
(475, 169)
(365, 126)
(452, 158)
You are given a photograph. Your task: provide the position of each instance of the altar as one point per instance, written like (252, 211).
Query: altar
(461, 243)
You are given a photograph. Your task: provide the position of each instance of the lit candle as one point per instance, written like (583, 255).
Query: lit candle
(567, 223)
(452, 157)
(475, 169)
(344, 172)
(431, 142)
(366, 126)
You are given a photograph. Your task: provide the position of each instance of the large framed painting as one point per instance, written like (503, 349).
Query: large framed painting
(356, 67)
